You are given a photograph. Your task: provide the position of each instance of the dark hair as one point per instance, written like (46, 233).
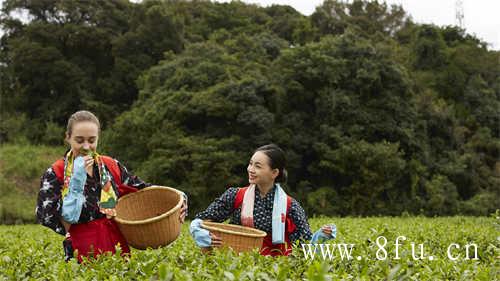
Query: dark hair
(277, 160)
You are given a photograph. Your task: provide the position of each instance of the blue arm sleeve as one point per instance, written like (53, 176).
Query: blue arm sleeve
(201, 236)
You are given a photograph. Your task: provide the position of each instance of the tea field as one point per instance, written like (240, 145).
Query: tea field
(32, 252)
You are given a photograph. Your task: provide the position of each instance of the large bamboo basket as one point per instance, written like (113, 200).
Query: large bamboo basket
(150, 217)
(239, 238)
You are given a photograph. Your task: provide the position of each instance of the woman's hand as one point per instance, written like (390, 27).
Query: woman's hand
(326, 232)
(89, 165)
(216, 240)
(326, 229)
(183, 211)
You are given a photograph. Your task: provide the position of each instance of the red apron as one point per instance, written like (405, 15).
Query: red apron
(96, 237)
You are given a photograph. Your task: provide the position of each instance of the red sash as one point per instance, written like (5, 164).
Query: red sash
(268, 248)
(112, 166)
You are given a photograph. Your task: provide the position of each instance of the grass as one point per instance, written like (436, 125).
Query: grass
(35, 252)
(21, 167)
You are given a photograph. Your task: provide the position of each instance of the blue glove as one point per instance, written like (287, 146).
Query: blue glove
(201, 236)
(320, 236)
(73, 201)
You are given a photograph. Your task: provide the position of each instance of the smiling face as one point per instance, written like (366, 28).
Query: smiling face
(84, 136)
(260, 171)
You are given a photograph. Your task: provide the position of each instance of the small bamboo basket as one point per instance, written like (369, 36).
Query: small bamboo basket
(150, 217)
(239, 238)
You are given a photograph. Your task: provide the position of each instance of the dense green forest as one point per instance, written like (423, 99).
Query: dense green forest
(378, 115)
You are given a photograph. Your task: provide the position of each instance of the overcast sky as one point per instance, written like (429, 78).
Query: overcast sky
(482, 17)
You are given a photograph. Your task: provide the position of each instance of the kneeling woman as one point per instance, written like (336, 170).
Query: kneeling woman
(262, 205)
(78, 193)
